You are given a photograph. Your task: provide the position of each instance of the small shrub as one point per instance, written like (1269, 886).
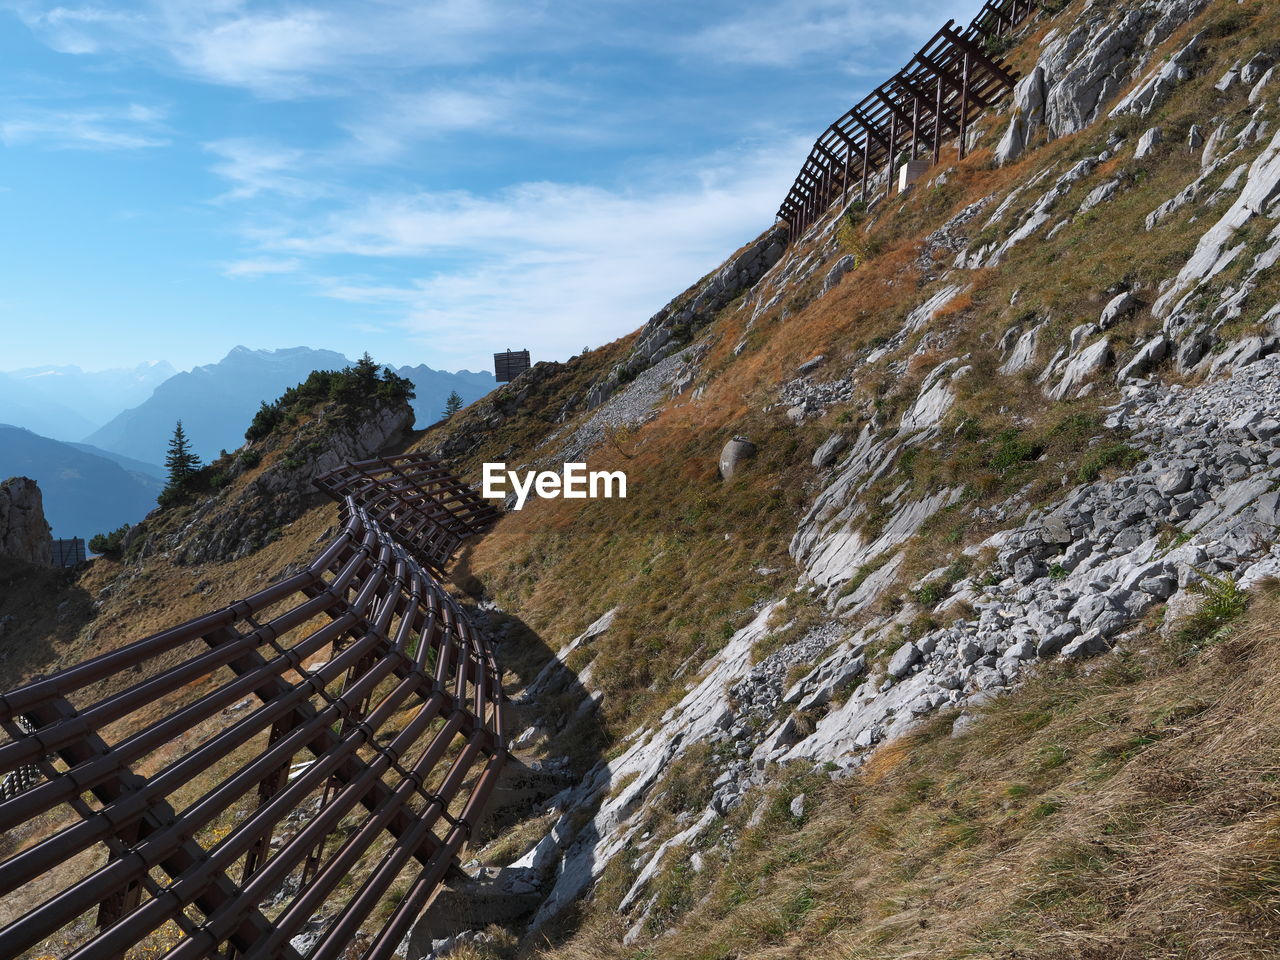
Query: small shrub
(109, 544)
(1012, 449)
(1224, 603)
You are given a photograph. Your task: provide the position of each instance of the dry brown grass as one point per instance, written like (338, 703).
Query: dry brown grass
(1123, 809)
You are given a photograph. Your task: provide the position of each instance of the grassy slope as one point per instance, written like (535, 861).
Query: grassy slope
(1126, 808)
(679, 558)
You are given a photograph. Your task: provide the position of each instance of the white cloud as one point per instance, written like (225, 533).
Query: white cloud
(788, 35)
(132, 127)
(514, 108)
(254, 167)
(253, 268)
(551, 266)
(282, 53)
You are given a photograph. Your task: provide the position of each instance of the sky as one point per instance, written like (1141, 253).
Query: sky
(428, 181)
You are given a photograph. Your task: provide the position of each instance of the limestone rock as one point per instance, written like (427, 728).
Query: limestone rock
(842, 266)
(1117, 309)
(1151, 353)
(1028, 115)
(1023, 353)
(1159, 84)
(24, 533)
(1148, 142)
(903, 659)
(830, 448)
(1087, 645)
(735, 453)
(1080, 368)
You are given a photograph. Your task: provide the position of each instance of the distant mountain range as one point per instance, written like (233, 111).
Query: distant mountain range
(434, 386)
(216, 402)
(67, 403)
(113, 477)
(86, 491)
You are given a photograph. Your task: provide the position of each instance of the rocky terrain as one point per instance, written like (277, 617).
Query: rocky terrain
(970, 652)
(1170, 398)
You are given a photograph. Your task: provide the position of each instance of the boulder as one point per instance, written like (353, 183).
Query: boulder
(1260, 87)
(1080, 368)
(829, 449)
(1147, 357)
(1023, 353)
(735, 453)
(1148, 142)
(1087, 645)
(1117, 309)
(903, 659)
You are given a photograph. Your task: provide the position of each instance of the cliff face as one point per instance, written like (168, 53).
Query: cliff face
(24, 534)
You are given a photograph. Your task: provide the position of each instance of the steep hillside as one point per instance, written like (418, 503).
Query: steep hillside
(1012, 419)
(976, 655)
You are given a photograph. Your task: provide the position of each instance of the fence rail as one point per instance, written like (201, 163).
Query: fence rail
(306, 762)
(949, 82)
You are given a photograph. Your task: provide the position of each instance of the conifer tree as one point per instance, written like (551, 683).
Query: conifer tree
(181, 462)
(452, 405)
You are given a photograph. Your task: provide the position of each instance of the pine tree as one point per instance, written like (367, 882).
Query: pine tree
(452, 405)
(181, 463)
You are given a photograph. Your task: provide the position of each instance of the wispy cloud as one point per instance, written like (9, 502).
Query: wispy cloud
(281, 53)
(253, 268)
(130, 127)
(554, 265)
(789, 35)
(253, 167)
(513, 108)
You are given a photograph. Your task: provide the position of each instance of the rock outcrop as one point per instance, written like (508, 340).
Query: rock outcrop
(245, 518)
(24, 533)
(1083, 69)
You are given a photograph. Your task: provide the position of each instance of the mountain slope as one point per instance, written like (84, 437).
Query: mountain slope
(84, 494)
(976, 656)
(20, 405)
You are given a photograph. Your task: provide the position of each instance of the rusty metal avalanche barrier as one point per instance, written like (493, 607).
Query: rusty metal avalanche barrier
(951, 80)
(309, 760)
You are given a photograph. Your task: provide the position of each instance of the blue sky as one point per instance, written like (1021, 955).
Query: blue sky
(428, 181)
